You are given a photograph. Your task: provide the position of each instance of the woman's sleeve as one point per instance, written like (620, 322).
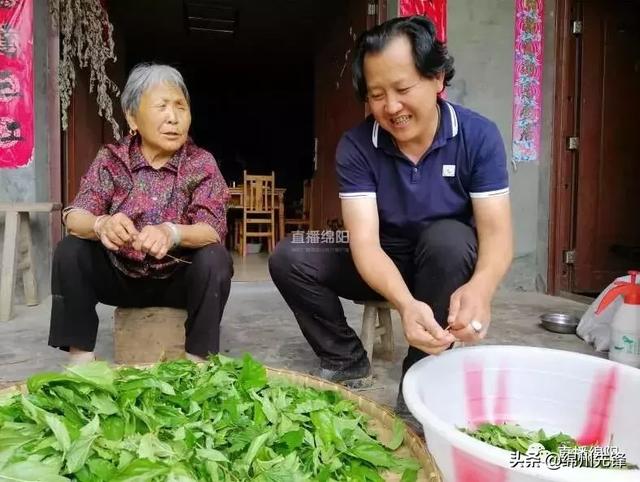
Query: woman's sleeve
(96, 187)
(209, 200)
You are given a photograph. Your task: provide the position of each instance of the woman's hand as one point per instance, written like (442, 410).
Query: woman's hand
(422, 330)
(155, 240)
(470, 302)
(115, 231)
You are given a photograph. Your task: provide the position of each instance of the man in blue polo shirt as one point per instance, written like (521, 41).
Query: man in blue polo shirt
(425, 199)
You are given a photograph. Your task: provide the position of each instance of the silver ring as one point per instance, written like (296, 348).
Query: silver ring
(476, 326)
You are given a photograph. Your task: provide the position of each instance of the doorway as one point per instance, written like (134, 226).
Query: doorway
(248, 66)
(270, 86)
(595, 232)
(269, 83)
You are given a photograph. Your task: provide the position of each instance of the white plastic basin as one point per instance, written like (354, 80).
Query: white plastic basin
(537, 388)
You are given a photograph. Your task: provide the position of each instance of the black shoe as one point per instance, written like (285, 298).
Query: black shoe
(403, 412)
(355, 376)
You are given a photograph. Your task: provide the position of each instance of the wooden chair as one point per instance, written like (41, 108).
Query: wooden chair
(305, 219)
(258, 212)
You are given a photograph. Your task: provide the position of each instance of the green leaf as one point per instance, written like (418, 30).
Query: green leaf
(255, 446)
(102, 469)
(311, 406)
(30, 471)
(322, 422)
(180, 474)
(374, 454)
(253, 374)
(60, 431)
(37, 381)
(212, 455)
(141, 470)
(35, 413)
(79, 450)
(212, 470)
(398, 435)
(97, 374)
(113, 428)
(409, 475)
(293, 439)
(268, 409)
(104, 404)
(151, 448)
(179, 434)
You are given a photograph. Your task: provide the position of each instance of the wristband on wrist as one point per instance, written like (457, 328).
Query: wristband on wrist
(98, 223)
(175, 233)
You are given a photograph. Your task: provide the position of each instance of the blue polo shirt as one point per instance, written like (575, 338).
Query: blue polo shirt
(466, 160)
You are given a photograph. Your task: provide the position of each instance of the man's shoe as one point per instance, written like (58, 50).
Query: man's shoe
(403, 412)
(355, 376)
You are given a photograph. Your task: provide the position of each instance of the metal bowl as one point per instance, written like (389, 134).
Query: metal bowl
(560, 322)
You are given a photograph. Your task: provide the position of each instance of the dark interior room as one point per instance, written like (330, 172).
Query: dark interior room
(249, 68)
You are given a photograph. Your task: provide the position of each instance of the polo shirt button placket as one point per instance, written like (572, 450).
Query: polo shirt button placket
(415, 175)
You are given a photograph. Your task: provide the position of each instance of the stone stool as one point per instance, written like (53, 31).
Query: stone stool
(148, 335)
(376, 322)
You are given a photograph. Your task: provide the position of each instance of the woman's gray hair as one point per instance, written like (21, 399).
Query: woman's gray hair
(144, 76)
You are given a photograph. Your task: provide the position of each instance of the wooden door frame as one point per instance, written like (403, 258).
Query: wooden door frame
(322, 218)
(563, 175)
(54, 141)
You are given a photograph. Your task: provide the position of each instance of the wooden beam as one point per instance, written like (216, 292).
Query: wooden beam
(30, 207)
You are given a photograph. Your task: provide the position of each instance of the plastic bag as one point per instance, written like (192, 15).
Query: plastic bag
(596, 329)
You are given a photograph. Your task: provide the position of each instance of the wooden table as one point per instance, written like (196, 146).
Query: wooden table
(236, 203)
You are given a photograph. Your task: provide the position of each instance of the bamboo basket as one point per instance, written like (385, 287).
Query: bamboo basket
(381, 422)
(381, 419)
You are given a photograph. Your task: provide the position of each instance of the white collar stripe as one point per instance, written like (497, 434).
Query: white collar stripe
(454, 126)
(374, 134)
(454, 120)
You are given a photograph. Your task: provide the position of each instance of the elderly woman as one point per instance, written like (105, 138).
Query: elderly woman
(146, 225)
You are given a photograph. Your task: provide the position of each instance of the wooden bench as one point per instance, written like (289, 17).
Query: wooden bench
(376, 322)
(17, 253)
(148, 335)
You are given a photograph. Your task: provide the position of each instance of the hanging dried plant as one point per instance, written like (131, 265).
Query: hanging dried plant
(87, 41)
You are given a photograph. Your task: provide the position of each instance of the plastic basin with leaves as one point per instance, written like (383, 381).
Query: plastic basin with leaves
(591, 399)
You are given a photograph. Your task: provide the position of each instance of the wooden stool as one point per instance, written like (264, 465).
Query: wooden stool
(17, 252)
(376, 322)
(148, 335)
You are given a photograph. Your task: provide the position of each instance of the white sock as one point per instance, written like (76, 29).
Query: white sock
(194, 358)
(81, 357)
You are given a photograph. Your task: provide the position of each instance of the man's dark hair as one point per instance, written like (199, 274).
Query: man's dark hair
(430, 55)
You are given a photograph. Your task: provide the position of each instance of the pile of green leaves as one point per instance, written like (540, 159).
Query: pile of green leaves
(514, 438)
(184, 422)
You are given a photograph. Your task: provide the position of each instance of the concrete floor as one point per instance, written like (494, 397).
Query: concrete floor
(253, 267)
(258, 321)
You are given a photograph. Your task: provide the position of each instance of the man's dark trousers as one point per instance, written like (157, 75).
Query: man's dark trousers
(312, 277)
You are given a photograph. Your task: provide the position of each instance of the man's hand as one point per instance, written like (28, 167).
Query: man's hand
(115, 231)
(422, 330)
(470, 302)
(155, 240)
